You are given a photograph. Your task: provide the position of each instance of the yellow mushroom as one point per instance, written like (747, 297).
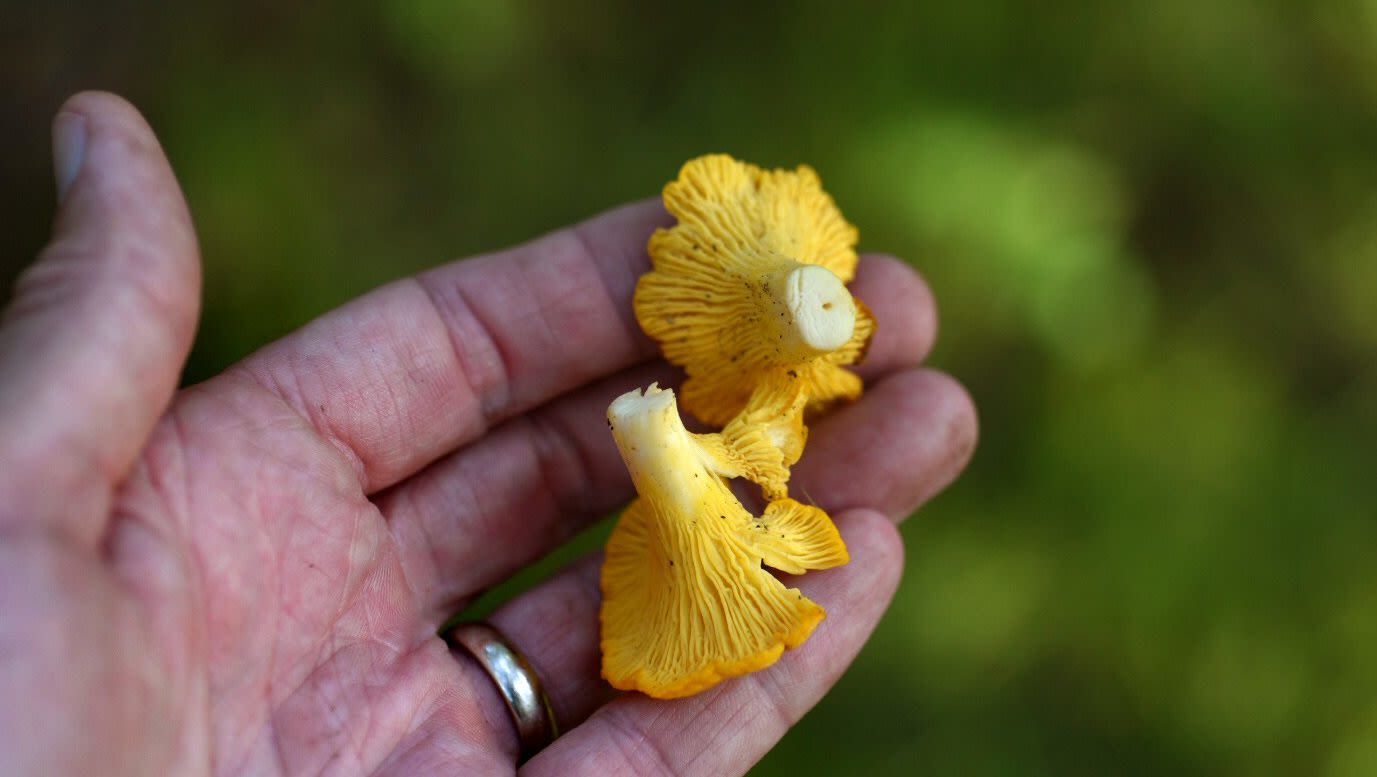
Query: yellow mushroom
(748, 290)
(686, 600)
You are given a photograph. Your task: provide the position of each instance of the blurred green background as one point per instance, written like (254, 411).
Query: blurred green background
(1152, 227)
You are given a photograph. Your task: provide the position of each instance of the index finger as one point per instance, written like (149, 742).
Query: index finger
(421, 366)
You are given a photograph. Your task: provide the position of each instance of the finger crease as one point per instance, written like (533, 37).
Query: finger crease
(500, 383)
(640, 749)
(561, 461)
(625, 313)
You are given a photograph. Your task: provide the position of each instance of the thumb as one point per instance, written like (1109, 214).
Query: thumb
(95, 337)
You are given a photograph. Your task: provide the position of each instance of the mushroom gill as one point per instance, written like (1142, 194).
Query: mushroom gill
(748, 290)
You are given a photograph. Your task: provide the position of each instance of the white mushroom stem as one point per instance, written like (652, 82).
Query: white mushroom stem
(659, 452)
(814, 312)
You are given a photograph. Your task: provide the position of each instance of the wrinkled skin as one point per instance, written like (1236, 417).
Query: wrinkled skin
(245, 576)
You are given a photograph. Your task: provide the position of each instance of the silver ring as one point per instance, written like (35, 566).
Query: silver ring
(516, 683)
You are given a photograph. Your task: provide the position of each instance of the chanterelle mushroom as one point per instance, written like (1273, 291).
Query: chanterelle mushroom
(686, 602)
(748, 290)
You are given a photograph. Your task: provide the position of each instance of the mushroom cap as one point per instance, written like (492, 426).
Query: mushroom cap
(687, 601)
(748, 288)
(744, 208)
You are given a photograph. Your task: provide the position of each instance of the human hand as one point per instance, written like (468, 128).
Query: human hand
(246, 576)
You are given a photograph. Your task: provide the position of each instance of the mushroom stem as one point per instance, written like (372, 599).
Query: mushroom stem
(658, 451)
(813, 311)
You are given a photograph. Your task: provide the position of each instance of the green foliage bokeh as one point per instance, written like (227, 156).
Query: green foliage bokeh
(1151, 227)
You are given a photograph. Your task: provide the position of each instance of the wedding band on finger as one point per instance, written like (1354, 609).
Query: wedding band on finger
(516, 683)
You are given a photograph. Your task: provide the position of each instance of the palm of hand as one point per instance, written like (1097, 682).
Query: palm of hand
(255, 585)
(300, 625)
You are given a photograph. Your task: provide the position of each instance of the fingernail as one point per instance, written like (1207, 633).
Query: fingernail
(69, 150)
